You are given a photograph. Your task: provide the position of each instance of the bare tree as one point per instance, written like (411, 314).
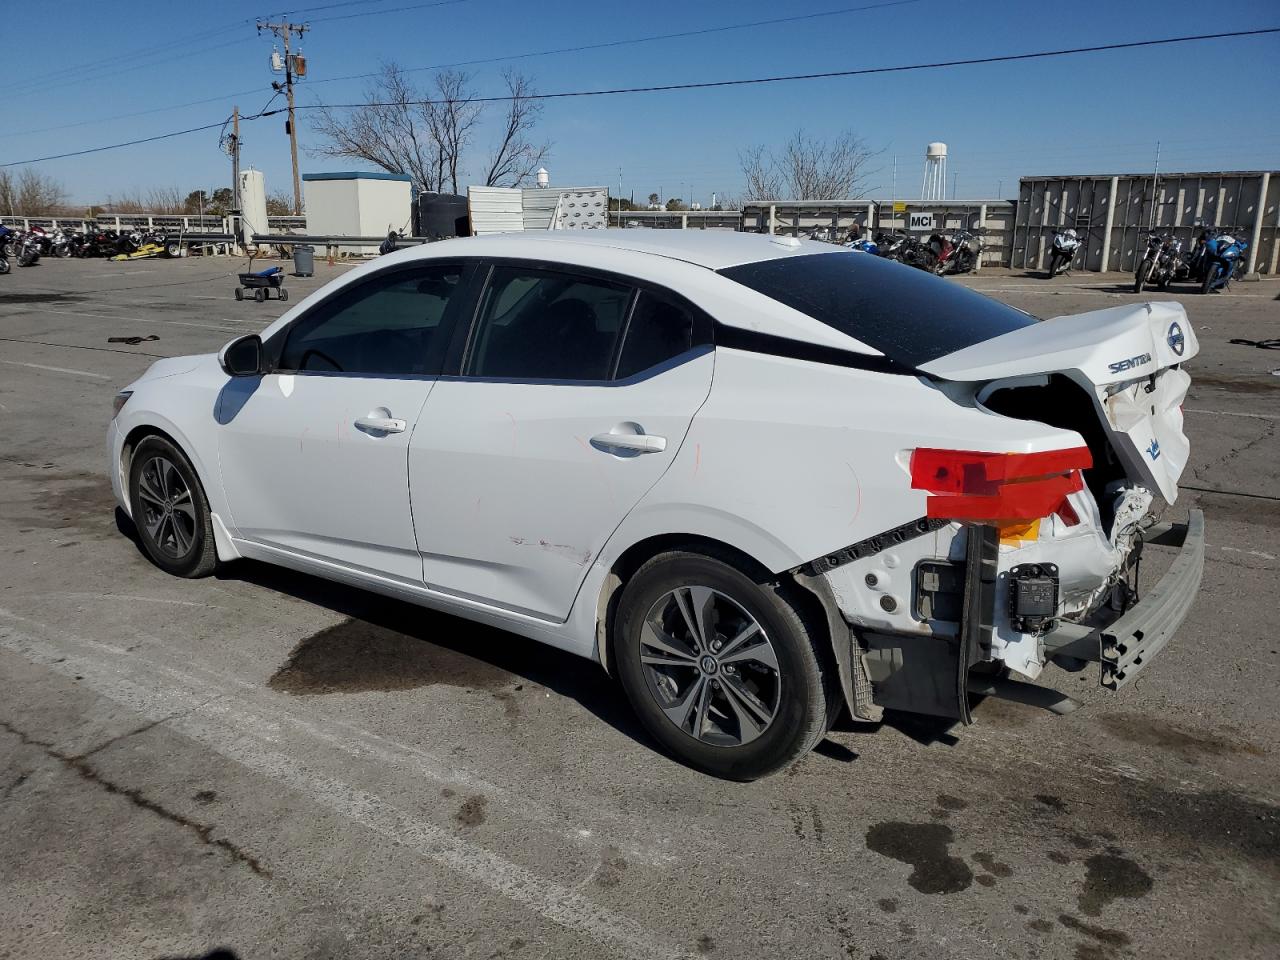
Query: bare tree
(761, 173)
(517, 158)
(392, 130)
(165, 200)
(30, 193)
(452, 119)
(280, 203)
(807, 168)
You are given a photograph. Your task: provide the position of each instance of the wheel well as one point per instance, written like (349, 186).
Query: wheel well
(135, 437)
(640, 553)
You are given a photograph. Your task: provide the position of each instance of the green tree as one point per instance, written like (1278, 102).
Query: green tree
(675, 203)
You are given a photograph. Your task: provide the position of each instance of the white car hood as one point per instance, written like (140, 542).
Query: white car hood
(1126, 356)
(173, 366)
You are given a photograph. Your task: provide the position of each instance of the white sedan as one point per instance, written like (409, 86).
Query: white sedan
(760, 480)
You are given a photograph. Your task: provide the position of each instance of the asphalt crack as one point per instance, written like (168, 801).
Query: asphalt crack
(82, 768)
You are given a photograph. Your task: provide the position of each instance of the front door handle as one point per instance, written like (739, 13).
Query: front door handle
(631, 442)
(381, 425)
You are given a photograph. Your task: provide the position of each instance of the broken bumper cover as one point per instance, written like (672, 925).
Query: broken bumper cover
(1127, 645)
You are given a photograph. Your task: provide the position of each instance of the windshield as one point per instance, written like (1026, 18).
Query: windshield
(910, 316)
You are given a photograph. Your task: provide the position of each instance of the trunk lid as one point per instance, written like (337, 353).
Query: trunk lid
(1128, 358)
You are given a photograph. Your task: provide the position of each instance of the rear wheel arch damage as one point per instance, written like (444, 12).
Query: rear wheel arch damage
(811, 595)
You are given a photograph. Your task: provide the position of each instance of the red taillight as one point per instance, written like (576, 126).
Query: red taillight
(988, 487)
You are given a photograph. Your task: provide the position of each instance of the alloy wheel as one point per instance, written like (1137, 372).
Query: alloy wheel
(169, 515)
(710, 666)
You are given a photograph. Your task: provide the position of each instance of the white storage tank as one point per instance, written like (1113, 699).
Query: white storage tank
(253, 204)
(357, 204)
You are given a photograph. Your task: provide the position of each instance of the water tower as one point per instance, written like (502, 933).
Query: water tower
(544, 178)
(935, 172)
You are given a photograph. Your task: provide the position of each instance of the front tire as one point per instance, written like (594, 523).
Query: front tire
(724, 670)
(170, 510)
(1053, 266)
(1210, 275)
(1140, 279)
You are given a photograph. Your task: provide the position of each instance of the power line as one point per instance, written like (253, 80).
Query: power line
(476, 62)
(634, 40)
(832, 74)
(136, 113)
(705, 85)
(370, 13)
(127, 143)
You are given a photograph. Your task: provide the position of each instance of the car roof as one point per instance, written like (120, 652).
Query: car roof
(713, 249)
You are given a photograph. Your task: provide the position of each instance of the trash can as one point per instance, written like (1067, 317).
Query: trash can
(304, 260)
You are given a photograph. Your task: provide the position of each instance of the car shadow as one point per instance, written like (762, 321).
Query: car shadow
(417, 646)
(389, 644)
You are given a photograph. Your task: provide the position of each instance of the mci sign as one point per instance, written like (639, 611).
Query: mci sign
(920, 221)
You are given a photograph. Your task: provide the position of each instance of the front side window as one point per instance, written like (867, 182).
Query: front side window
(546, 325)
(390, 325)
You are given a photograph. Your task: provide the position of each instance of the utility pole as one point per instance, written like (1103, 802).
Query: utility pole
(231, 144)
(294, 65)
(1155, 187)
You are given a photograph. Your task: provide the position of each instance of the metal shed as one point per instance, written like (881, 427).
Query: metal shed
(358, 204)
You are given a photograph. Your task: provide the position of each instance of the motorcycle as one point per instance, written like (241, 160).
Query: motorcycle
(1161, 265)
(29, 249)
(1221, 260)
(101, 243)
(891, 245)
(919, 254)
(956, 254)
(8, 237)
(1063, 250)
(863, 245)
(67, 243)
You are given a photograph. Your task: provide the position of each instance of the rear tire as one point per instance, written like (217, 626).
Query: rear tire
(259, 295)
(239, 294)
(4, 266)
(173, 248)
(170, 510)
(771, 699)
(284, 294)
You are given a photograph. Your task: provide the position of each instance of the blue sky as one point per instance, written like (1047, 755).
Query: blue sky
(1213, 105)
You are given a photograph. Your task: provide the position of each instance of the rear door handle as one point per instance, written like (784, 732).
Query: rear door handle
(381, 425)
(633, 442)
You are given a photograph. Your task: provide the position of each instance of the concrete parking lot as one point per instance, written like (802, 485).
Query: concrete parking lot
(285, 767)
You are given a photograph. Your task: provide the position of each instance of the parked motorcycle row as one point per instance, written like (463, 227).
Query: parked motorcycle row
(940, 254)
(1215, 259)
(26, 247)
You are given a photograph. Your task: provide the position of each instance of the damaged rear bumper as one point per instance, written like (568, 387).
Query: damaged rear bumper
(1125, 646)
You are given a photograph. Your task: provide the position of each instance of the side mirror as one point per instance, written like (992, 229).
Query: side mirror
(242, 357)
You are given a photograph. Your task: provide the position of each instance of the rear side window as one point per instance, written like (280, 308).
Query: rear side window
(908, 315)
(546, 325)
(659, 329)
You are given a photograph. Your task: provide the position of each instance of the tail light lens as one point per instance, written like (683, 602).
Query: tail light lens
(996, 487)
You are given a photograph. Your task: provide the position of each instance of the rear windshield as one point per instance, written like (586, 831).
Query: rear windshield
(910, 316)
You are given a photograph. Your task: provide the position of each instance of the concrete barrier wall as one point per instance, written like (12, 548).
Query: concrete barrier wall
(1113, 214)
